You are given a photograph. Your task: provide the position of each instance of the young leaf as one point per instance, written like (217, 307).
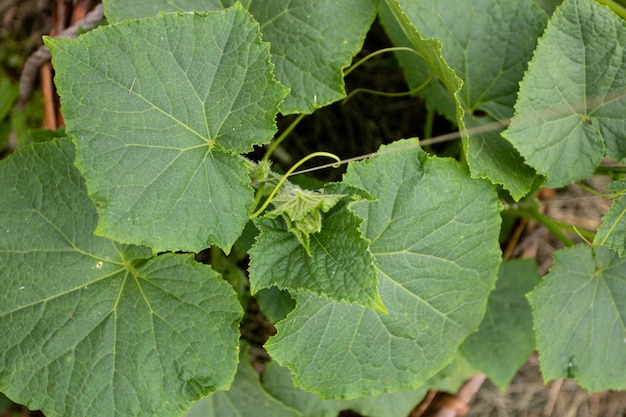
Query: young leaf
(490, 75)
(580, 318)
(339, 264)
(246, 397)
(571, 101)
(311, 41)
(90, 327)
(505, 337)
(433, 233)
(157, 107)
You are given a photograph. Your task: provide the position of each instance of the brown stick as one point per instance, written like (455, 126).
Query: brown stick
(42, 54)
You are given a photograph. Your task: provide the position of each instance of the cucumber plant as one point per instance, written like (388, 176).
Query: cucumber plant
(382, 285)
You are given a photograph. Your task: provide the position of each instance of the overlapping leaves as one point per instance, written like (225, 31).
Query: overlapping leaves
(572, 101)
(433, 233)
(490, 75)
(311, 40)
(93, 327)
(158, 107)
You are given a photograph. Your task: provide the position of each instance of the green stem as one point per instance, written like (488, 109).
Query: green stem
(383, 93)
(288, 173)
(281, 138)
(555, 227)
(428, 126)
(375, 53)
(610, 170)
(616, 7)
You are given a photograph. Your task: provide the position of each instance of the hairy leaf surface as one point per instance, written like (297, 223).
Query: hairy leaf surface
(90, 326)
(505, 337)
(580, 318)
(157, 107)
(433, 233)
(311, 40)
(572, 101)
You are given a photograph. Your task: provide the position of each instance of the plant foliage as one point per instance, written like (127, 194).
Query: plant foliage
(384, 275)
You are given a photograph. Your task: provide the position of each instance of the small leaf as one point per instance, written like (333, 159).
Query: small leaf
(92, 327)
(505, 337)
(158, 106)
(571, 102)
(433, 233)
(580, 318)
(339, 265)
(311, 41)
(246, 397)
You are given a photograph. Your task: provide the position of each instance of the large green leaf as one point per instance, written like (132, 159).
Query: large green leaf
(433, 233)
(311, 40)
(571, 106)
(158, 106)
(580, 318)
(91, 327)
(338, 265)
(487, 43)
(505, 337)
(246, 397)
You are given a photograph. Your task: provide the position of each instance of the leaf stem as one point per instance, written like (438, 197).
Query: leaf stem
(610, 170)
(288, 173)
(617, 8)
(385, 94)
(555, 227)
(375, 53)
(282, 137)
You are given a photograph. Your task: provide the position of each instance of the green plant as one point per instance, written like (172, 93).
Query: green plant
(106, 312)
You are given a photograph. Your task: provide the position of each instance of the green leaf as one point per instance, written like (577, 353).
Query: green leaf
(490, 74)
(246, 397)
(157, 107)
(612, 231)
(91, 327)
(118, 10)
(580, 318)
(302, 210)
(338, 266)
(430, 50)
(434, 234)
(311, 40)
(571, 102)
(278, 382)
(275, 304)
(505, 337)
